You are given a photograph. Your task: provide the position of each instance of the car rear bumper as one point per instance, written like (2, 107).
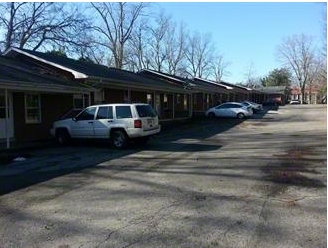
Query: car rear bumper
(135, 133)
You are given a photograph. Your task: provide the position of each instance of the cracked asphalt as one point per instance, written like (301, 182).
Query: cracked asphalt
(261, 182)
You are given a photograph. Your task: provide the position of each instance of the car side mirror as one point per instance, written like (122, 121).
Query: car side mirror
(74, 119)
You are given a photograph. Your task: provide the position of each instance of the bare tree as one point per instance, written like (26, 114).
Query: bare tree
(117, 23)
(297, 53)
(219, 68)
(159, 45)
(158, 33)
(34, 25)
(198, 54)
(252, 81)
(137, 47)
(175, 49)
(322, 75)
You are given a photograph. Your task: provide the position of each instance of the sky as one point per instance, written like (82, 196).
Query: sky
(247, 34)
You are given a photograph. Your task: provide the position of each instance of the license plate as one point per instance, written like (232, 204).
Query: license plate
(150, 122)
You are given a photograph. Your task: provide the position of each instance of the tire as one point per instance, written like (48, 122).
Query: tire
(63, 137)
(211, 115)
(240, 116)
(119, 139)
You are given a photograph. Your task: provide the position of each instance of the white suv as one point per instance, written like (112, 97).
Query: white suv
(117, 122)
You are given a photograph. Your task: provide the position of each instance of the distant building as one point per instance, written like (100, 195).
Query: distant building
(311, 94)
(275, 94)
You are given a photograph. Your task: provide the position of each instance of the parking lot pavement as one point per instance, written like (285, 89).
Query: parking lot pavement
(260, 182)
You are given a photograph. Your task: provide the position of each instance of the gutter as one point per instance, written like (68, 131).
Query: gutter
(29, 86)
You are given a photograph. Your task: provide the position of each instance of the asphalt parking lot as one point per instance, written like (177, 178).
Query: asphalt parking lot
(260, 182)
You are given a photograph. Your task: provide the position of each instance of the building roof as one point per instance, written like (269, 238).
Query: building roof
(171, 79)
(17, 75)
(163, 75)
(273, 89)
(237, 86)
(211, 85)
(97, 75)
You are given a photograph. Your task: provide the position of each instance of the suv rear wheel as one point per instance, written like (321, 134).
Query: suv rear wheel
(119, 139)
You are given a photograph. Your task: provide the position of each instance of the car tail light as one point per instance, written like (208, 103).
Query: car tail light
(137, 124)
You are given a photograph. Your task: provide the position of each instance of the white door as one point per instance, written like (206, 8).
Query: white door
(82, 127)
(103, 122)
(6, 125)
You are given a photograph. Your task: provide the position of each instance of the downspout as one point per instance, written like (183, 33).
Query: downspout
(7, 119)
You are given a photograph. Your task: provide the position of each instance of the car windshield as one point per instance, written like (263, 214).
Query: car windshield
(145, 111)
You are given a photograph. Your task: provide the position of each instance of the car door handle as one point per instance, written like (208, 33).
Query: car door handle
(109, 121)
(90, 122)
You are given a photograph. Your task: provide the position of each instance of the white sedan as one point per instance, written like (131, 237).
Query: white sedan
(230, 109)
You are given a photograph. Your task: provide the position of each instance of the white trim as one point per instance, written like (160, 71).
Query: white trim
(77, 75)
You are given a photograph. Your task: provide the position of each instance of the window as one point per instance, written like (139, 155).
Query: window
(80, 101)
(105, 113)
(145, 111)
(3, 107)
(149, 99)
(32, 108)
(126, 96)
(123, 112)
(185, 102)
(195, 98)
(87, 114)
(225, 105)
(232, 105)
(166, 105)
(178, 99)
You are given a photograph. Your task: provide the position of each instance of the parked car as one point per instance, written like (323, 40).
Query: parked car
(230, 109)
(117, 122)
(292, 102)
(256, 107)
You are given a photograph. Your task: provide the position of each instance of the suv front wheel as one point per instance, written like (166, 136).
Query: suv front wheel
(63, 137)
(119, 139)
